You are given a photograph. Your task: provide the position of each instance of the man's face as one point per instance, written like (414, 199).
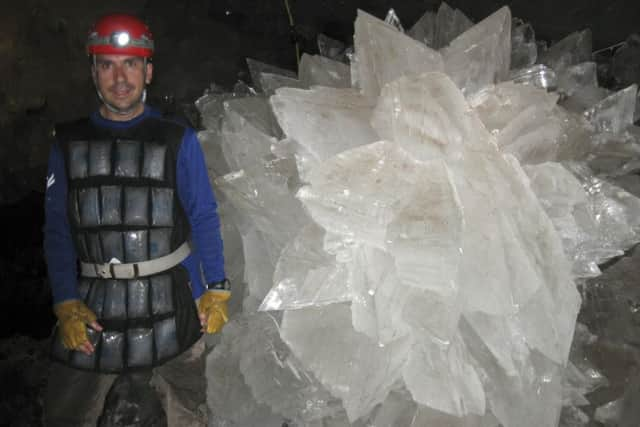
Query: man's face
(121, 79)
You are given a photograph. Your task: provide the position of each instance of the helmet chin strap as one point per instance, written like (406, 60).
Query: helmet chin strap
(113, 108)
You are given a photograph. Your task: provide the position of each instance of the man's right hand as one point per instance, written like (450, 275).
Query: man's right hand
(73, 318)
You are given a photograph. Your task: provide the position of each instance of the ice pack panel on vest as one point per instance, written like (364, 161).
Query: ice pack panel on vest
(112, 351)
(162, 207)
(95, 299)
(138, 298)
(95, 247)
(111, 204)
(100, 158)
(153, 166)
(136, 202)
(115, 300)
(159, 242)
(89, 207)
(140, 347)
(127, 162)
(112, 246)
(161, 294)
(79, 151)
(166, 338)
(136, 246)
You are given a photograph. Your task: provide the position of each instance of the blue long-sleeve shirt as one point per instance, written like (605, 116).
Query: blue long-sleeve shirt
(194, 192)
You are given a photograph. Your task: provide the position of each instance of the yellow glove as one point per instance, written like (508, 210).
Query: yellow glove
(73, 316)
(212, 308)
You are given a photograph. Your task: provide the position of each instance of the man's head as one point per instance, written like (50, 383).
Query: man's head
(121, 47)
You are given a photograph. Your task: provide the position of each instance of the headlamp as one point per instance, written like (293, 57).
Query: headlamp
(120, 39)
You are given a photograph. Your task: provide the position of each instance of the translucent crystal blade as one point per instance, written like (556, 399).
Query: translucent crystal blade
(307, 275)
(325, 121)
(481, 55)
(358, 193)
(331, 48)
(571, 50)
(578, 77)
(211, 143)
(272, 82)
(616, 112)
(440, 376)
(393, 20)
(347, 363)
(229, 397)
(450, 23)
(524, 50)
(276, 377)
(438, 126)
(529, 398)
(424, 30)
(383, 54)
(316, 70)
(537, 75)
(425, 237)
(256, 68)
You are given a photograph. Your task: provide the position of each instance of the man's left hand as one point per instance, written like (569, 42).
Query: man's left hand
(213, 311)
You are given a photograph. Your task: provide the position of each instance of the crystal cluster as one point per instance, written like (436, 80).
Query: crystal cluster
(411, 226)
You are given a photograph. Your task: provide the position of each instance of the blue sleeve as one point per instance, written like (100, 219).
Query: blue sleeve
(59, 250)
(199, 203)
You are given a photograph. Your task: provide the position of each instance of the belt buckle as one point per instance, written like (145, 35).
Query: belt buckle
(103, 271)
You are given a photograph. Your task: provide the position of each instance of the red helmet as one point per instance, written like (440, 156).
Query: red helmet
(120, 34)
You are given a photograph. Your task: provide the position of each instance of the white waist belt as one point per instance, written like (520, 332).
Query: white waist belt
(136, 269)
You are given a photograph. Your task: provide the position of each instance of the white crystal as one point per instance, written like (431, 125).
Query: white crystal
(578, 77)
(307, 275)
(425, 236)
(383, 54)
(616, 112)
(524, 50)
(245, 138)
(325, 121)
(228, 396)
(316, 70)
(571, 50)
(439, 375)
(256, 68)
(347, 363)
(450, 23)
(424, 29)
(537, 75)
(523, 120)
(211, 143)
(481, 55)
(437, 126)
(272, 82)
(276, 377)
(359, 192)
(393, 20)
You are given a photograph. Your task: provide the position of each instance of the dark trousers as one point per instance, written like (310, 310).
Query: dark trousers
(76, 398)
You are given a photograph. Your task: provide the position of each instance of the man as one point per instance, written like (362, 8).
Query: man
(127, 196)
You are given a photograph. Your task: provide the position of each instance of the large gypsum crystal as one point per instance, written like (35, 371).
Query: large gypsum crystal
(416, 273)
(435, 137)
